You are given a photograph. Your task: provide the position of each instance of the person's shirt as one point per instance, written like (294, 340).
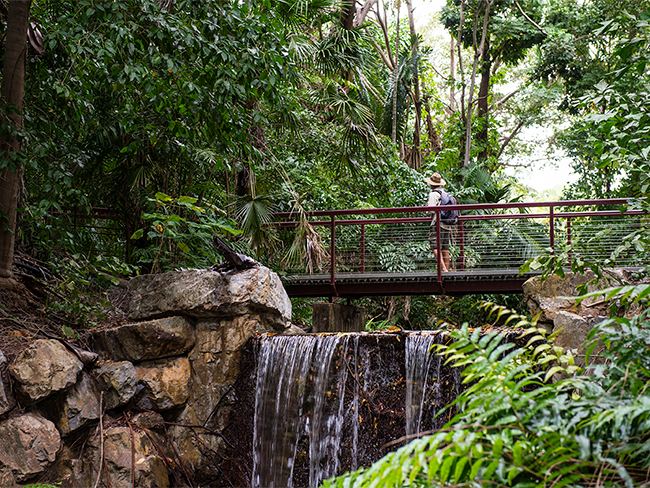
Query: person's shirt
(433, 201)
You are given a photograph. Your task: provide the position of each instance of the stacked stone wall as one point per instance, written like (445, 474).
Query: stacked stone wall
(147, 408)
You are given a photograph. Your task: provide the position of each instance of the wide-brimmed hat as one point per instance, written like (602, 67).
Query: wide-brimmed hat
(436, 180)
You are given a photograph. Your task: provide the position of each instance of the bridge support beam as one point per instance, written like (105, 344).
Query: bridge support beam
(335, 317)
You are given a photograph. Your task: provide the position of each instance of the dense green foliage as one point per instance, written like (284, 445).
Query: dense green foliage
(517, 428)
(203, 118)
(608, 139)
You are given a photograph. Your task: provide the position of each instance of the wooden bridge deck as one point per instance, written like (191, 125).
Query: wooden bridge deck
(353, 285)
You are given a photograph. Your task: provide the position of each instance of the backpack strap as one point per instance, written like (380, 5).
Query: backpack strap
(444, 196)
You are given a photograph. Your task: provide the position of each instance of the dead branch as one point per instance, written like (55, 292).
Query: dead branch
(101, 439)
(510, 137)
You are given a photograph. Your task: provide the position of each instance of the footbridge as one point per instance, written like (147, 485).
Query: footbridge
(371, 252)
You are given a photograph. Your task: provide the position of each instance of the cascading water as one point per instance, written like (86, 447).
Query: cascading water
(294, 398)
(430, 385)
(329, 403)
(281, 382)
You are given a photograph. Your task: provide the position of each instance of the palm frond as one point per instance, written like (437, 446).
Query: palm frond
(254, 213)
(307, 246)
(341, 51)
(297, 12)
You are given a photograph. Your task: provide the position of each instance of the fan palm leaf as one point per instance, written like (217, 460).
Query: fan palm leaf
(307, 246)
(254, 213)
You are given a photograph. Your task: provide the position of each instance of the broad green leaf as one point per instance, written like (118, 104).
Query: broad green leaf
(163, 197)
(445, 469)
(497, 448)
(188, 200)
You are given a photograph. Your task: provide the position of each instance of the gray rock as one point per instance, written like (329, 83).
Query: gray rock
(192, 443)
(215, 362)
(143, 341)
(120, 443)
(166, 381)
(205, 293)
(7, 400)
(46, 367)
(572, 329)
(79, 406)
(28, 445)
(149, 420)
(68, 470)
(293, 330)
(119, 380)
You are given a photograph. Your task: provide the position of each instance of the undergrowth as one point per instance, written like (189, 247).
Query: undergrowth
(517, 427)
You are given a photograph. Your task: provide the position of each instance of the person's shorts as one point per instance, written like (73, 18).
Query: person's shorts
(445, 237)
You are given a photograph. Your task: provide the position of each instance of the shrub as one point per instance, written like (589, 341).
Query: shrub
(517, 428)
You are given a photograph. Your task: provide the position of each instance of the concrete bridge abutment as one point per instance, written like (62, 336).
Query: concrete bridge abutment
(336, 317)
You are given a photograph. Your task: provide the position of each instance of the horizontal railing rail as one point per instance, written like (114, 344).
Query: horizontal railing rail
(101, 219)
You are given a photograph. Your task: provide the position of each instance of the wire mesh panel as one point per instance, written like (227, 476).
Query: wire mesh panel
(604, 240)
(502, 243)
(391, 248)
(488, 237)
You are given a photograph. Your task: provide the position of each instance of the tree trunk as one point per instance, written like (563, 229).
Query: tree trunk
(479, 50)
(393, 136)
(463, 85)
(348, 12)
(13, 90)
(415, 159)
(452, 76)
(434, 138)
(483, 92)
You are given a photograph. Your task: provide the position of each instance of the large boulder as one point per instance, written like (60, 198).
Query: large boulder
(142, 341)
(129, 453)
(7, 401)
(166, 382)
(119, 380)
(572, 332)
(205, 293)
(215, 361)
(44, 368)
(28, 445)
(546, 297)
(543, 295)
(77, 407)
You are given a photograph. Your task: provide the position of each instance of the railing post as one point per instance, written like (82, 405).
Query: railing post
(551, 224)
(438, 246)
(568, 238)
(461, 231)
(332, 254)
(363, 248)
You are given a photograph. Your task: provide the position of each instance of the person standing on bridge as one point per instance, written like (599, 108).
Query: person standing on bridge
(438, 196)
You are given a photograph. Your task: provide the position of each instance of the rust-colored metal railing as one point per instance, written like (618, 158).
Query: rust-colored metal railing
(487, 237)
(100, 220)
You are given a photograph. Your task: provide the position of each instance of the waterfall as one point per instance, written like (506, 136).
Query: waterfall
(329, 403)
(425, 382)
(300, 391)
(281, 382)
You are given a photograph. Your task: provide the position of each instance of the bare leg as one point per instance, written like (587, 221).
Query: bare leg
(445, 259)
